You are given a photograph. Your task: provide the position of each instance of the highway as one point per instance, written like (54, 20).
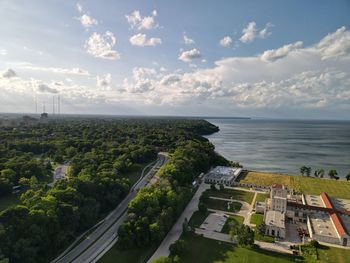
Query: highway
(105, 235)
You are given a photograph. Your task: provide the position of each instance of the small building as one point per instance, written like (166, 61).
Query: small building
(223, 175)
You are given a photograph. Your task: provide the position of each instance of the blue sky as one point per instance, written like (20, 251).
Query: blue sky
(232, 58)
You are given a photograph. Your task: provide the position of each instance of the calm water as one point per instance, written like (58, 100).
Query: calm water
(284, 146)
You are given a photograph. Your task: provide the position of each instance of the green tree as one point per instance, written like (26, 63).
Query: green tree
(347, 177)
(245, 236)
(332, 174)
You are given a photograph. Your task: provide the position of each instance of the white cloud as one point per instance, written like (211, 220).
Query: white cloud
(68, 71)
(188, 40)
(226, 41)
(101, 46)
(275, 54)
(87, 21)
(264, 33)
(250, 32)
(335, 44)
(189, 55)
(3, 52)
(136, 20)
(9, 73)
(44, 88)
(104, 81)
(79, 7)
(141, 40)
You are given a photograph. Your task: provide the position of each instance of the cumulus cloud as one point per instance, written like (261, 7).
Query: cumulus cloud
(101, 46)
(141, 40)
(104, 81)
(136, 20)
(9, 73)
(188, 40)
(275, 54)
(335, 44)
(189, 55)
(250, 32)
(87, 21)
(226, 41)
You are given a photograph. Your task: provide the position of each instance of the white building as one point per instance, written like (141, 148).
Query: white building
(223, 175)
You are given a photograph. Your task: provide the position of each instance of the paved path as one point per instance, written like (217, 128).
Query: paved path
(91, 247)
(176, 231)
(226, 238)
(249, 215)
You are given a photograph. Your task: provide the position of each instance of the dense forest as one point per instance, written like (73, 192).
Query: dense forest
(101, 154)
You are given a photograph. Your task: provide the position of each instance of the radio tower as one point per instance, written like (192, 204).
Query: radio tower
(53, 105)
(59, 105)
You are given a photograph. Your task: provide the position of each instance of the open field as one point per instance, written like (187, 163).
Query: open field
(303, 184)
(232, 220)
(8, 201)
(222, 205)
(204, 250)
(234, 194)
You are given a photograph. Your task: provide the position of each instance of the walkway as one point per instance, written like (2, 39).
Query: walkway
(226, 238)
(176, 231)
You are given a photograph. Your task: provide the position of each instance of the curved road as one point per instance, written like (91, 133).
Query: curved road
(90, 249)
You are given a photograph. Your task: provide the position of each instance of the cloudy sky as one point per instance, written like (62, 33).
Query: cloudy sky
(279, 59)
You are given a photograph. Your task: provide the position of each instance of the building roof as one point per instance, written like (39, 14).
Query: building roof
(275, 218)
(338, 224)
(327, 202)
(278, 186)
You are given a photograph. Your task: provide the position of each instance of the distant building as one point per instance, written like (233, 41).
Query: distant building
(44, 117)
(223, 175)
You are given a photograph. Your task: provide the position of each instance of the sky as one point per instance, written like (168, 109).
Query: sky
(272, 59)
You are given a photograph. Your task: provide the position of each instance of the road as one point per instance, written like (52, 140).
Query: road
(176, 231)
(61, 172)
(89, 250)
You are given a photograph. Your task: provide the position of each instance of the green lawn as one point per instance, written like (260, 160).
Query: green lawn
(235, 194)
(232, 220)
(203, 250)
(198, 218)
(256, 219)
(261, 197)
(8, 201)
(222, 205)
(135, 255)
(303, 184)
(332, 254)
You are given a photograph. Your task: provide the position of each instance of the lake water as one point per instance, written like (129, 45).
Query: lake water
(283, 146)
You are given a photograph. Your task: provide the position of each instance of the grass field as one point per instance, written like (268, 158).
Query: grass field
(332, 254)
(232, 220)
(200, 249)
(8, 201)
(256, 219)
(303, 184)
(261, 197)
(222, 205)
(235, 194)
(135, 255)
